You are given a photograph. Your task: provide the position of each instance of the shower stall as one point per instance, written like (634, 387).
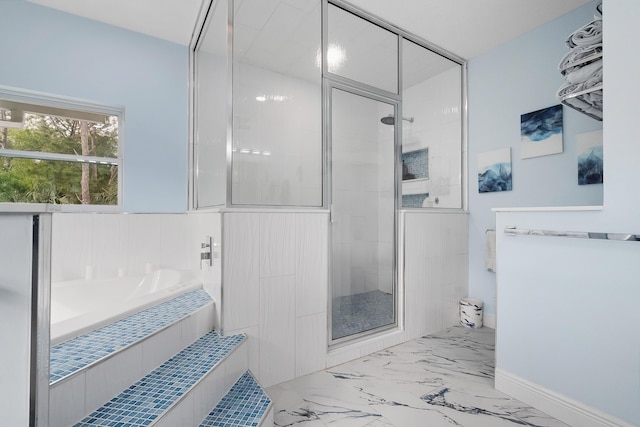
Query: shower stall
(297, 108)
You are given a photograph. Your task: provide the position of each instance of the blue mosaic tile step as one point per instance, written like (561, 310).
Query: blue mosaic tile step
(145, 401)
(244, 405)
(73, 355)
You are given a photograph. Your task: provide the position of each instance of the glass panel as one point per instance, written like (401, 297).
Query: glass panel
(277, 115)
(57, 182)
(362, 51)
(363, 207)
(61, 135)
(431, 129)
(211, 109)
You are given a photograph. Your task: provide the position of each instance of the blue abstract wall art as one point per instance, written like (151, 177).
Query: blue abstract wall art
(590, 158)
(541, 132)
(494, 171)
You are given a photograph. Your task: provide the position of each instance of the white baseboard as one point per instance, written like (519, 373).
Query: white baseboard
(489, 320)
(556, 405)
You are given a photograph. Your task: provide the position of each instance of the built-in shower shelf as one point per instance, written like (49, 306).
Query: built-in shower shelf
(415, 165)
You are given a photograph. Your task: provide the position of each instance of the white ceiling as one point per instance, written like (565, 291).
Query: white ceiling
(467, 28)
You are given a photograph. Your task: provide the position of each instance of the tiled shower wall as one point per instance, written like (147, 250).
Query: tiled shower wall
(275, 287)
(435, 106)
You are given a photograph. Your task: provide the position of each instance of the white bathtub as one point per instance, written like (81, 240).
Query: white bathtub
(79, 306)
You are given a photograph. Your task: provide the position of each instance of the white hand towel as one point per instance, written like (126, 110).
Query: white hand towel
(490, 250)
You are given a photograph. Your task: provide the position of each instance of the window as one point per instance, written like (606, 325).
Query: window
(57, 152)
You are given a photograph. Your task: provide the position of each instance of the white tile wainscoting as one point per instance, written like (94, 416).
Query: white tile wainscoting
(276, 287)
(274, 265)
(113, 243)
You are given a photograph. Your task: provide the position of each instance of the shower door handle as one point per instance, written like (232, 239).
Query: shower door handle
(331, 214)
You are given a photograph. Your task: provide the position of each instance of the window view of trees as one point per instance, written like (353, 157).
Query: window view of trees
(60, 161)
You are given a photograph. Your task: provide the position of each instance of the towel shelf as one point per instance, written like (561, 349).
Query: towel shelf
(586, 40)
(584, 105)
(584, 92)
(514, 231)
(581, 62)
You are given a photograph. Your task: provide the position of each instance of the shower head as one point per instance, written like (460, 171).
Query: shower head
(388, 120)
(391, 120)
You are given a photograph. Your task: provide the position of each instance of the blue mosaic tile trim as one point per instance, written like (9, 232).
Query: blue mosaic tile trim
(145, 401)
(244, 405)
(73, 355)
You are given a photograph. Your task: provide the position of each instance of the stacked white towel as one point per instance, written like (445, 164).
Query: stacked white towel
(588, 35)
(582, 69)
(576, 55)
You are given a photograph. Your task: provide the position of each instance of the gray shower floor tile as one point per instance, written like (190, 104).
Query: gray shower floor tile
(361, 312)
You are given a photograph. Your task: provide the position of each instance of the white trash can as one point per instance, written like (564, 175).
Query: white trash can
(471, 313)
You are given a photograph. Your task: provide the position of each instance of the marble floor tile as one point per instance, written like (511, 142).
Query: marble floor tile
(441, 380)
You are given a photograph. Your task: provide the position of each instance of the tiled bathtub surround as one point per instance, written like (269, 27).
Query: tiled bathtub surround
(244, 405)
(148, 399)
(75, 354)
(109, 243)
(440, 380)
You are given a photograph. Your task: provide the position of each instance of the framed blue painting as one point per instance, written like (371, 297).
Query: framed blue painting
(541, 132)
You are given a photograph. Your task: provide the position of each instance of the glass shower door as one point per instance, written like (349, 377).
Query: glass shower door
(363, 214)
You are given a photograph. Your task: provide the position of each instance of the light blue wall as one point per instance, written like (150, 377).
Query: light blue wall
(49, 51)
(516, 78)
(567, 320)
